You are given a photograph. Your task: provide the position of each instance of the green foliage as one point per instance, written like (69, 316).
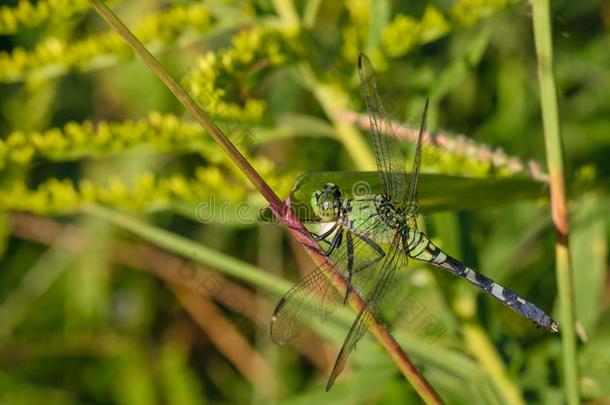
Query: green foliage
(93, 145)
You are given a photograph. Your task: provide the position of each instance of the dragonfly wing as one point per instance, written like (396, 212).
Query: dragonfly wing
(384, 272)
(315, 296)
(390, 161)
(411, 204)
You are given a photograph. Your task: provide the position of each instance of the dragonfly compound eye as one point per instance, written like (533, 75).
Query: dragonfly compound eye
(336, 192)
(326, 202)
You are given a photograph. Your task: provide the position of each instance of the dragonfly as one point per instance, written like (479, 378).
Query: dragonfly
(370, 237)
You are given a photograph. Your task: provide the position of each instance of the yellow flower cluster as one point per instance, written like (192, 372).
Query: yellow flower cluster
(27, 14)
(227, 73)
(146, 192)
(467, 13)
(164, 133)
(356, 29)
(404, 32)
(54, 56)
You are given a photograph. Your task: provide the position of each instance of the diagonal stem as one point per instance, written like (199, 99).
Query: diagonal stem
(282, 212)
(554, 154)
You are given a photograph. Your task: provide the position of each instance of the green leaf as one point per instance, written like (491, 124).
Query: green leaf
(436, 192)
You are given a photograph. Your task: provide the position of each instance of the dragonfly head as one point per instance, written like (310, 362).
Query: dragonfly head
(326, 202)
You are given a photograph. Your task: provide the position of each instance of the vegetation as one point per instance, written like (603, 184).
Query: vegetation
(139, 265)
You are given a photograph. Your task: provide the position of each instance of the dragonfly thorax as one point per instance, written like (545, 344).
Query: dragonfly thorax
(389, 213)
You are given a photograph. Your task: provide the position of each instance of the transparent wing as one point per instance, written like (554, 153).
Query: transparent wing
(411, 204)
(315, 295)
(384, 273)
(390, 160)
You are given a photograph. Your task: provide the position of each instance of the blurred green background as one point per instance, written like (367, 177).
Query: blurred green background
(134, 266)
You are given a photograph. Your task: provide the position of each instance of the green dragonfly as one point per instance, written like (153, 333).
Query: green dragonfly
(369, 237)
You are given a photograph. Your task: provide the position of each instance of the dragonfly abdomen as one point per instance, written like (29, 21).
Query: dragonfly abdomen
(421, 248)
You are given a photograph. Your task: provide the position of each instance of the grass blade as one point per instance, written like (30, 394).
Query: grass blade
(541, 15)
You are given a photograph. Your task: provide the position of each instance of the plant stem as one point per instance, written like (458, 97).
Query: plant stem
(287, 12)
(310, 13)
(554, 154)
(281, 211)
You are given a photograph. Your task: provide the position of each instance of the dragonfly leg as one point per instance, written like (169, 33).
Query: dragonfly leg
(350, 264)
(350, 256)
(325, 234)
(336, 242)
(315, 236)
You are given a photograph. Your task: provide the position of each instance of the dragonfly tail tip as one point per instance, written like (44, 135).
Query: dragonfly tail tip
(554, 327)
